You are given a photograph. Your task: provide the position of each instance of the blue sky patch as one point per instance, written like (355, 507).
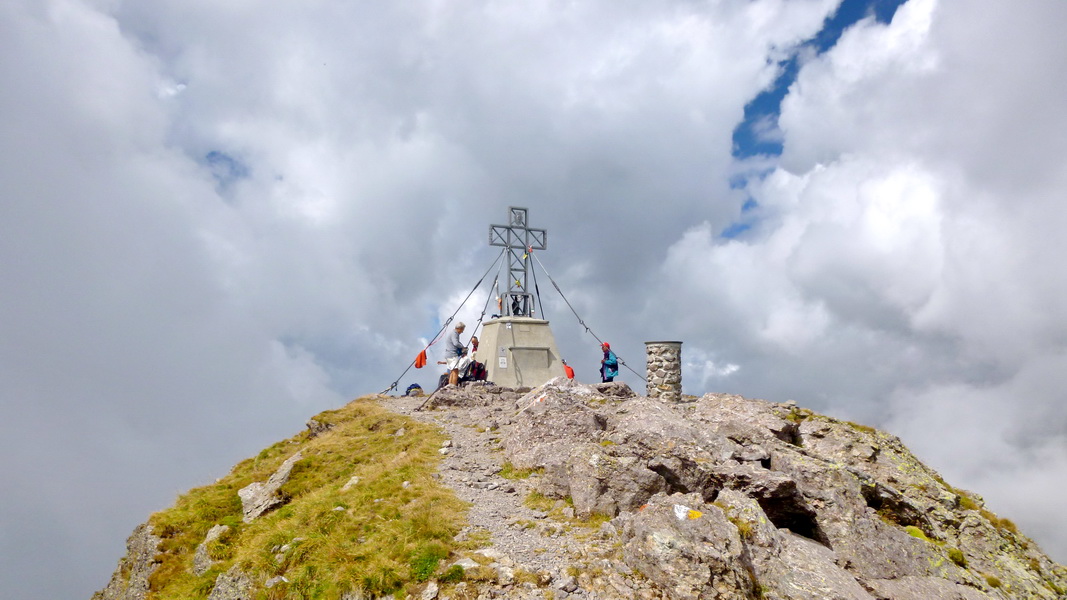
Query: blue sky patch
(758, 134)
(225, 169)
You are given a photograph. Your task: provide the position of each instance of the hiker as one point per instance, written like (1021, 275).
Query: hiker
(454, 352)
(469, 367)
(609, 365)
(464, 363)
(568, 370)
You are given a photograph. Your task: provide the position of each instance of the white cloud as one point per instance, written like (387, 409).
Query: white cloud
(1006, 441)
(901, 267)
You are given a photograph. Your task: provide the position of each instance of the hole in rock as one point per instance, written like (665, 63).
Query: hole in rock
(894, 508)
(790, 513)
(790, 434)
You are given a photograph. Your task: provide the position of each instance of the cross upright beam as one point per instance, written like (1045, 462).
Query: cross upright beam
(519, 240)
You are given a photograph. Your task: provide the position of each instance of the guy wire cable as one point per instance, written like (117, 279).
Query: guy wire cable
(394, 385)
(580, 321)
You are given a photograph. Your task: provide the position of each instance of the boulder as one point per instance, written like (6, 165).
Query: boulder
(746, 420)
(258, 497)
(651, 428)
(809, 571)
(615, 389)
(317, 428)
(600, 483)
(549, 427)
(201, 559)
(232, 585)
(687, 548)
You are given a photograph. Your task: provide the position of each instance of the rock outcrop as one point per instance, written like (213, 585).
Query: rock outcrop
(130, 580)
(259, 497)
(609, 495)
(778, 502)
(202, 559)
(231, 585)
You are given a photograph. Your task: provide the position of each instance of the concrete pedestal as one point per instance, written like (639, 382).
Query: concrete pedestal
(519, 351)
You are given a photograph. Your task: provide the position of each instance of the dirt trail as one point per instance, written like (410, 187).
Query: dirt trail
(472, 468)
(570, 558)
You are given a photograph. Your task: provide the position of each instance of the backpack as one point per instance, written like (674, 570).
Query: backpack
(478, 372)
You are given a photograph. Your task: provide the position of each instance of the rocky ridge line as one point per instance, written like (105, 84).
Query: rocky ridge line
(591, 492)
(728, 497)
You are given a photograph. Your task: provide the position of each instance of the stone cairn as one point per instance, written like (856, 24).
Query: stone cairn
(664, 370)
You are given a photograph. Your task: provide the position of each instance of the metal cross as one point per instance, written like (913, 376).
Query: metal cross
(519, 240)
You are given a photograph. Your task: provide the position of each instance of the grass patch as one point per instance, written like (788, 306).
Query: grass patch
(956, 556)
(480, 573)
(594, 521)
(964, 500)
(1001, 524)
(425, 559)
(538, 501)
(524, 576)
(510, 471)
(453, 574)
(375, 537)
(992, 580)
(479, 537)
(863, 428)
(744, 528)
(915, 532)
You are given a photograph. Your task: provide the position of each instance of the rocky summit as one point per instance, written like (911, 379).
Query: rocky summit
(583, 492)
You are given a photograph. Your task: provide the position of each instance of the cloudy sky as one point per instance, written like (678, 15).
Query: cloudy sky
(220, 218)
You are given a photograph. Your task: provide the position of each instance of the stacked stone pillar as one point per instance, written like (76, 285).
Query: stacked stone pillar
(664, 370)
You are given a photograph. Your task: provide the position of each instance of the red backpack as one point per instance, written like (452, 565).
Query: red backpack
(478, 372)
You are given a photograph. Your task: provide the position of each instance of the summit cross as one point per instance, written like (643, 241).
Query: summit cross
(519, 240)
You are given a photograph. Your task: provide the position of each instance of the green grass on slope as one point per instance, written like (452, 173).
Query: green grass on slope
(375, 537)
